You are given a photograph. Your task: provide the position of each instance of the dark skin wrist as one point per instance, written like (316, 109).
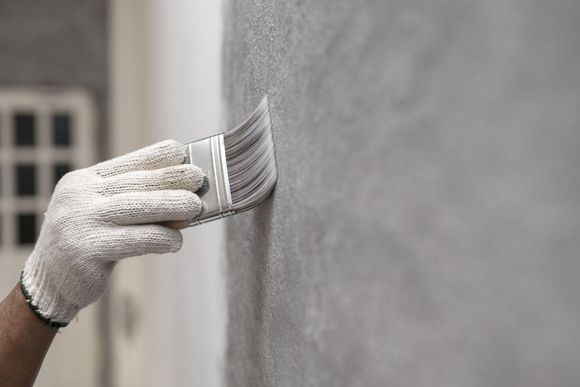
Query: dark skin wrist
(24, 341)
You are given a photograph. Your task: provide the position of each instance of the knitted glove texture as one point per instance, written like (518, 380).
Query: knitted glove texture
(105, 213)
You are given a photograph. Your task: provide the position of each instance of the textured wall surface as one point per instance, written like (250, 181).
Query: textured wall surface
(425, 227)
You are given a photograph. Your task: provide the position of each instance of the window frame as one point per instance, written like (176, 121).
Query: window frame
(44, 103)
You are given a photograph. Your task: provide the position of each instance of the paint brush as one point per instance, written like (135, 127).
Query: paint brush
(240, 166)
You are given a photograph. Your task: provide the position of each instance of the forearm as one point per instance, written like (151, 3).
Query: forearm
(24, 341)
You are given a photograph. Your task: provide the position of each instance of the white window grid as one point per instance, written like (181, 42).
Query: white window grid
(43, 103)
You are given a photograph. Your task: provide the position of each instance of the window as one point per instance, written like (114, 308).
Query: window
(59, 170)
(61, 129)
(24, 125)
(44, 133)
(26, 226)
(25, 179)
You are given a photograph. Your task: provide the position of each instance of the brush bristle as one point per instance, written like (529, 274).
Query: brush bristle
(250, 158)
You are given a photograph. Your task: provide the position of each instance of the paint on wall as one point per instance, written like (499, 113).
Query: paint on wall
(424, 228)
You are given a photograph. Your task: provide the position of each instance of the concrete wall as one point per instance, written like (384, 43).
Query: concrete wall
(424, 230)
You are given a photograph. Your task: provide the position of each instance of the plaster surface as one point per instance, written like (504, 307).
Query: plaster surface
(425, 227)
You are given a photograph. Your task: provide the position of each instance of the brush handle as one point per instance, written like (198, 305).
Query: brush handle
(209, 155)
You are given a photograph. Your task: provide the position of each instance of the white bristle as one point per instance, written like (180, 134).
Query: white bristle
(250, 158)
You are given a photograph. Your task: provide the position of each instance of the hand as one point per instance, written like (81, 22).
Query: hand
(102, 214)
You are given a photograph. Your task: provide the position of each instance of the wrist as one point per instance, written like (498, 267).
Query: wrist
(27, 298)
(43, 296)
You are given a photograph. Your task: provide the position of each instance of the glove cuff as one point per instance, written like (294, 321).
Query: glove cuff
(43, 297)
(28, 298)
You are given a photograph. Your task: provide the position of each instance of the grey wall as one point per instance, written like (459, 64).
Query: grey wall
(425, 226)
(56, 43)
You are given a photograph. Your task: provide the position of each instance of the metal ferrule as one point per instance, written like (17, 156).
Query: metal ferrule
(209, 154)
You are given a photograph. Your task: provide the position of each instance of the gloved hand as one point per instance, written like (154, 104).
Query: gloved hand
(102, 214)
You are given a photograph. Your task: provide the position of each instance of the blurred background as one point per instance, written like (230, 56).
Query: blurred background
(86, 80)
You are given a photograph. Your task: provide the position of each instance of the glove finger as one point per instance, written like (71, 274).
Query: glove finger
(136, 240)
(150, 207)
(176, 224)
(179, 177)
(160, 155)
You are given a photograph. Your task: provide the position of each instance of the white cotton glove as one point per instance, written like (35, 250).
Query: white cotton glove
(102, 214)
